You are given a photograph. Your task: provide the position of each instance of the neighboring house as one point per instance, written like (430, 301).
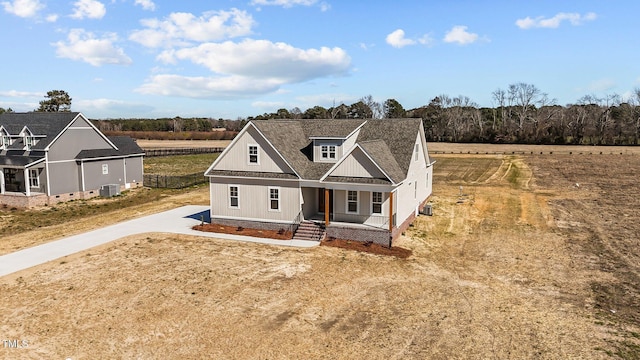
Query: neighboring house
(359, 179)
(48, 157)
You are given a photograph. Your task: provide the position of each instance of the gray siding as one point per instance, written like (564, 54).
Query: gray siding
(94, 178)
(135, 169)
(237, 156)
(64, 177)
(79, 136)
(254, 199)
(358, 165)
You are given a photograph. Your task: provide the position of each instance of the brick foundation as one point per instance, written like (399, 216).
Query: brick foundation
(376, 236)
(21, 201)
(249, 224)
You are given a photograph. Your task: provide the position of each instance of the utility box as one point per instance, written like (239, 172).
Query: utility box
(109, 190)
(427, 210)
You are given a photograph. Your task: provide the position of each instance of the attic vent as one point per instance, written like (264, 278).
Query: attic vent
(109, 190)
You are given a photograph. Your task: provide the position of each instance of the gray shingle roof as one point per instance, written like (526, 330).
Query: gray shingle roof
(48, 124)
(18, 161)
(388, 142)
(125, 145)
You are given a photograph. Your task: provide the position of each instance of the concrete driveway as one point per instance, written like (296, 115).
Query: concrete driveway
(177, 221)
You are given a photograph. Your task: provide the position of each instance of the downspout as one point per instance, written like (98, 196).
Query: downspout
(390, 218)
(82, 174)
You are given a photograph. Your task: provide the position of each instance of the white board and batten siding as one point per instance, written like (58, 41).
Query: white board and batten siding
(417, 187)
(237, 158)
(357, 164)
(254, 199)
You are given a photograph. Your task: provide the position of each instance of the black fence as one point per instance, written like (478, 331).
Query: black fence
(182, 151)
(174, 181)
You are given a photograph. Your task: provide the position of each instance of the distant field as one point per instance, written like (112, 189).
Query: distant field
(435, 147)
(162, 144)
(178, 164)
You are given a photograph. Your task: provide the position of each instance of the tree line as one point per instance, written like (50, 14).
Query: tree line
(522, 113)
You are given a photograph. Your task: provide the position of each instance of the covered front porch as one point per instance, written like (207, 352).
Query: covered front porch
(350, 206)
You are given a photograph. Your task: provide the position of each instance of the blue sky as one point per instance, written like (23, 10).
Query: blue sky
(237, 58)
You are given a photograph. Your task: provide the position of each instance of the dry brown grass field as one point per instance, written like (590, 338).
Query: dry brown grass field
(526, 257)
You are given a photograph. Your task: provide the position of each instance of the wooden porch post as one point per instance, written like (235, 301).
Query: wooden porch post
(1, 181)
(391, 211)
(326, 207)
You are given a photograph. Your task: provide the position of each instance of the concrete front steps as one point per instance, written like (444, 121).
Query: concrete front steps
(310, 231)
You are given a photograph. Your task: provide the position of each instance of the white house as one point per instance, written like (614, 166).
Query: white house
(354, 179)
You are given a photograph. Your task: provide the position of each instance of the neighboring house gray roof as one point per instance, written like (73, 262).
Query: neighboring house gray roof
(18, 161)
(388, 142)
(46, 126)
(126, 146)
(49, 124)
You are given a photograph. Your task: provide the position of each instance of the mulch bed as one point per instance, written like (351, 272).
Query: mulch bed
(238, 230)
(368, 248)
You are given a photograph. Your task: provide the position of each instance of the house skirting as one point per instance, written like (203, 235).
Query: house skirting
(250, 224)
(21, 201)
(345, 232)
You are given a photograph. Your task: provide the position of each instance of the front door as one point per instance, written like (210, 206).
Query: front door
(321, 201)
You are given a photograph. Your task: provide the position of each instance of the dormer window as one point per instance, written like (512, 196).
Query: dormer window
(28, 142)
(5, 141)
(328, 152)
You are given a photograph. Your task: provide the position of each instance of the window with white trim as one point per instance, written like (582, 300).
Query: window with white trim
(28, 142)
(415, 152)
(105, 169)
(253, 155)
(274, 198)
(34, 181)
(5, 140)
(328, 152)
(376, 202)
(234, 196)
(352, 201)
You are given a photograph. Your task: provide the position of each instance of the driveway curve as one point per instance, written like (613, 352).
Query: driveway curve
(176, 221)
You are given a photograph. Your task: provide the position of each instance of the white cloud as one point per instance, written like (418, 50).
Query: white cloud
(110, 108)
(324, 6)
(52, 18)
(602, 85)
(554, 22)
(146, 4)
(268, 105)
(263, 59)
(249, 68)
(459, 34)
(183, 28)
(91, 9)
(20, 94)
(23, 8)
(84, 46)
(397, 39)
(228, 87)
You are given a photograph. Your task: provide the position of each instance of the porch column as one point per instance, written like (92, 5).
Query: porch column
(27, 185)
(391, 211)
(1, 181)
(326, 207)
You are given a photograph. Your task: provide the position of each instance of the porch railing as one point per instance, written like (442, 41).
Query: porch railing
(374, 220)
(295, 224)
